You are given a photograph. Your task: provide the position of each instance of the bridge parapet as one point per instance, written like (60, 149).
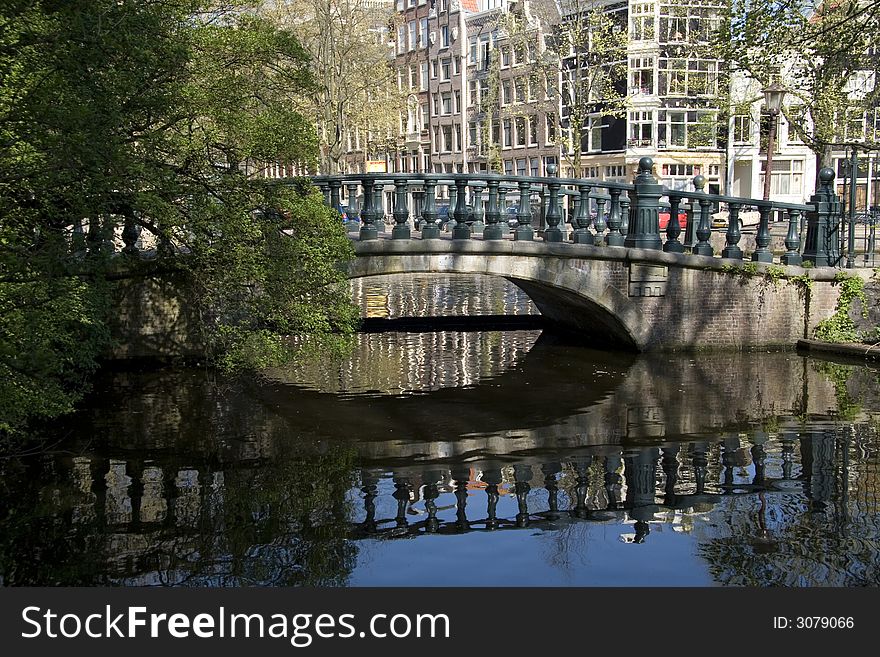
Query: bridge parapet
(585, 211)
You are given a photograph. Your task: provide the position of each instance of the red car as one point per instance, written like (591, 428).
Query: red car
(664, 219)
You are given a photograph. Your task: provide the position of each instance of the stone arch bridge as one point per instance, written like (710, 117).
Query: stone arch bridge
(640, 299)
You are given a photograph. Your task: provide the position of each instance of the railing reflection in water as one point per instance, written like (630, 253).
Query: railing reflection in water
(807, 499)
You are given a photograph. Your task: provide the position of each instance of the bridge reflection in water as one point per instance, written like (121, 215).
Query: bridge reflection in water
(510, 457)
(559, 465)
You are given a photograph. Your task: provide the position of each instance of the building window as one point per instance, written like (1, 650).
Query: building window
(505, 92)
(742, 129)
(456, 105)
(413, 35)
(642, 75)
(521, 131)
(446, 103)
(521, 167)
(445, 69)
(796, 114)
(533, 130)
(677, 129)
(413, 77)
(473, 133)
(423, 81)
(508, 133)
(520, 88)
(455, 64)
(444, 36)
(594, 133)
(505, 56)
(787, 177)
(423, 35)
(434, 68)
(534, 167)
(615, 171)
(472, 50)
(401, 39)
(641, 129)
(447, 138)
(642, 22)
(508, 167)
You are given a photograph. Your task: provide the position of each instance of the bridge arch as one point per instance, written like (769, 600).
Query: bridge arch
(575, 293)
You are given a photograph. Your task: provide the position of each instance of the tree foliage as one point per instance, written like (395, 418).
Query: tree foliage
(156, 115)
(823, 53)
(355, 88)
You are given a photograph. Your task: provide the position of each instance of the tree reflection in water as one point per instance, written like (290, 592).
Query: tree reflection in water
(179, 478)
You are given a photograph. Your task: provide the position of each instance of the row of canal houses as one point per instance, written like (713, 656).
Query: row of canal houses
(450, 56)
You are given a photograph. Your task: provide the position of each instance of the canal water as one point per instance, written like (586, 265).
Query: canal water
(459, 458)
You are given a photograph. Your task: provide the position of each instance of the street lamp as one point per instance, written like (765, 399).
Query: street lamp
(773, 102)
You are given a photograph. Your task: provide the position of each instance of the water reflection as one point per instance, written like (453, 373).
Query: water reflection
(560, 465)
(788, 508)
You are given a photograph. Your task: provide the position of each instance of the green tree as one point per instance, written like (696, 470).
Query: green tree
(152, 115)
(822, 53)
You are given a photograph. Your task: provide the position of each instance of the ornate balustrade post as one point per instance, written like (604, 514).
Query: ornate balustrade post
(552, 233)
(599, 223)
(432, 524)
(645, 214)
(401, 494)
(477, 227)
(670, 466)
(581, 234)
(401, 212)
(335, 185)
(352, 202)
(324, 186)
(461, 476)
(614, 237)
(379, 206)
(430, 229)
(820, 243)
(493, 214)
(762, 238)
(130, 233)
(793, 241)
(368, 213)
(699, 461)
(624, 215)
(582, 487)
(461, 231)
(673, 227)
(550, 471)
(731, 248)
(524, 230)
(613, 481)
(704, 227)
(522, 474)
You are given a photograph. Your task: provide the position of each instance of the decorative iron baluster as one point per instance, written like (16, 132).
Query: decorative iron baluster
(793, 240)
(524, 230)
(552, 233)
(493, 214)
(401, 212)
(461, 231)
(731, 248)
(762, 238)
(614, 237)
(673, 226)
(624, 216)
(368, 213)
(477, 227)
(599, 224)
(430, 229)
(582, 234)
(704, 228)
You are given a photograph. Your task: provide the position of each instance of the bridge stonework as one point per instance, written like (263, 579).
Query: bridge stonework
(642, 299)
